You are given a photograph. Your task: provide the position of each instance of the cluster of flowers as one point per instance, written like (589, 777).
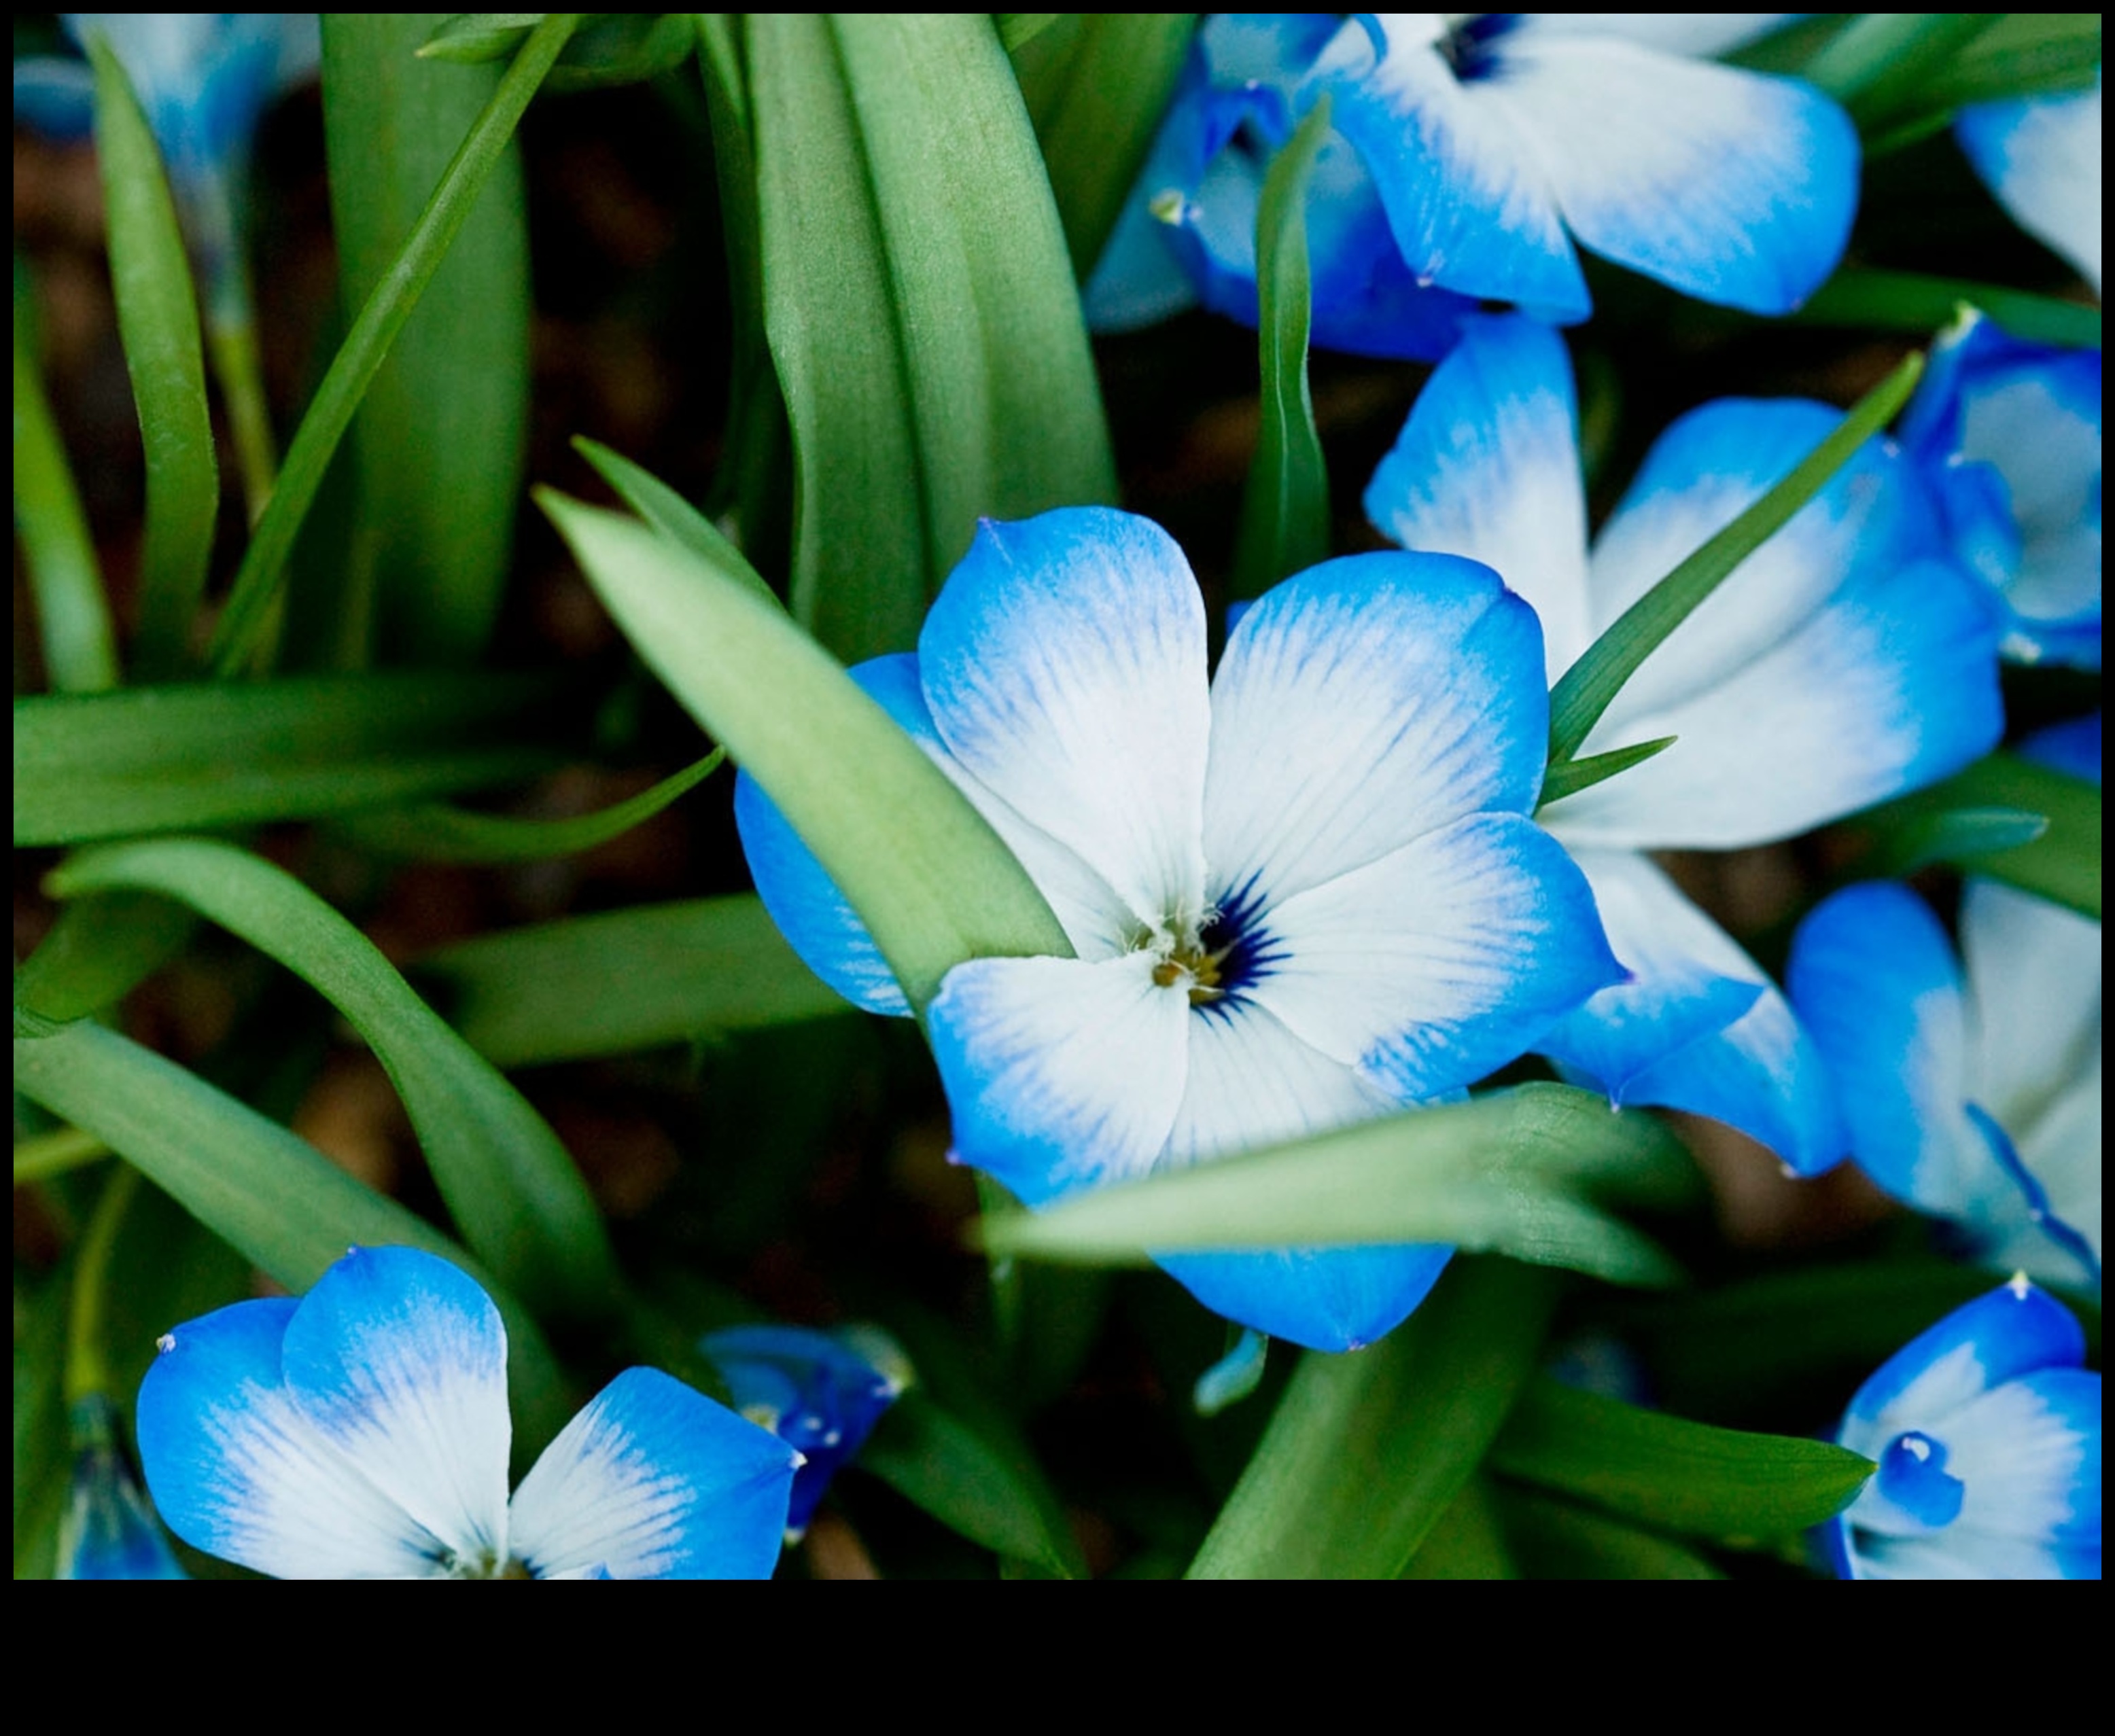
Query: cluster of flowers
(1315, 884)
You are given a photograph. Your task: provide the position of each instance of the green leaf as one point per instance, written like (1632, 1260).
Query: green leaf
(1880, 61)
(640, 978)
(1515, 1172)
(1586, 689)
(509, 1183)
(1670, 1473)
(671, 515)
(436, 832)
(1576, 775)
(2025, 54)
(920, 306)
(271, 1196)
(158, 318)
(442, 432)
(1368, 1450)
(171, 758)
(929, 877)
(96, 954)
(468, 38)
(1285, 511)
(1468, 1542)
(73, 616)
(1555, 1540)
(1963, 821)
(248, 613)
(1864, 299)
(1016, 28)
(975, 1477)
(1096, 125)
(1803, 1340)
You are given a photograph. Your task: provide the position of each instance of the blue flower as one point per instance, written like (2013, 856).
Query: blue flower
(821, 1393)
(1986, 1431)
(1846, 660)
(1497, 141)
(2040, 156)
(1974, 1096)
(1300, 894)
(108, 1531)
(362, 1432)
(2009, 433)
(1187, 235)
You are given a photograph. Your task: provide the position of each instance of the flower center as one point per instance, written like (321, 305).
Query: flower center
(1191, 960)
(1470, 46)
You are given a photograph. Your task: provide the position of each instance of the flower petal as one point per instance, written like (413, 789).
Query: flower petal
(654, 1481)
(55, 97)
(237, 1469)
(2060, 1155)
(1471, 209)
(1440, 961)
(1875, 982)
(1729, 185)
(2029, 1455)
(2041, 157)
(1699, 1027)
(1890, 687)
(1064, 666)
(1060, 1073)
(2014, 1331)
(399, 1360)
(1487, 467)
(1138, 281)
(1251, 1081)
(1676, 33)
(2034, 977)
(1359, 705)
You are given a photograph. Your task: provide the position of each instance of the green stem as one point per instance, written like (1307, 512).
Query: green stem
(86, 1373)
(233, 348)
(46, 1154)
(73, 617)
(249, 613)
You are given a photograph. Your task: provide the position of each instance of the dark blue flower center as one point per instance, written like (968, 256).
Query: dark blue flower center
(1913, 1477)
(1470, 47)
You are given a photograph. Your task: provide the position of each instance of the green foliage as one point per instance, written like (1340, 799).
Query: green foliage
(627, 980)
(158, 317)
(441, 433)
(1360, 1462)
(920, 307)
(929, 877)
(1672, 1474)
(1866, 298)
(1285, 513)
(271, 1196)
(179, 758)
(1521, 1172)
(510, 1185)
(248, 615)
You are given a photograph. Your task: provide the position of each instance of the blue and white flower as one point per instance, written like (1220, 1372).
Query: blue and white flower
(1986, 1431)
(108, 1531)
(2040, 156)
(1846, 660)
(1187, 236)
(1972, 1094)
(1300, 894)
(362, 1432)
(1498, 140)
(2009, 433)
(821, 1393)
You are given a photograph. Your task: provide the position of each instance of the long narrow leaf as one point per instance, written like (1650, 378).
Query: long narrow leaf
(97, 953)
(1961, 821)
(1671, 1473)
(613, 984)
(442, 432)
(73, 615)
(160, 759)
(509, 1183)
(1098, 126)
(257, 581)
(1868, 299)
(157, 317)
(1515, 1172)
(1879, 61)
(1367, 1451)
(435, 832)
(932, 881)
(1285, 513)
(1555, 1539)
(1587, 688)
(270, 1195)
(671, 515)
